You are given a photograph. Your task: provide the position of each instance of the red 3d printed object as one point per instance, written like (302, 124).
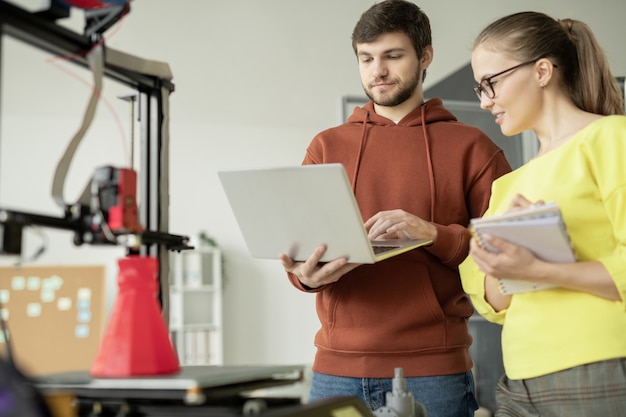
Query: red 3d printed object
(136, 340)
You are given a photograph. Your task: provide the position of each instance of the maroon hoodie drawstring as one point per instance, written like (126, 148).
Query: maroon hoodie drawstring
(431, 172)
(361, 148)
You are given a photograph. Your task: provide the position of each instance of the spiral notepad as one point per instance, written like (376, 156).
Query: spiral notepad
(541, 229)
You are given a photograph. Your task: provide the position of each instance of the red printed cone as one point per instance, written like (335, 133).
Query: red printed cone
(136, 340)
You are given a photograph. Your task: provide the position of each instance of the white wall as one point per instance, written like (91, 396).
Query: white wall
(255, 80)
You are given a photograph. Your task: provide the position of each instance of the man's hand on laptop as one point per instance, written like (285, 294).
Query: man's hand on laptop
(314, 273)
(399, 224)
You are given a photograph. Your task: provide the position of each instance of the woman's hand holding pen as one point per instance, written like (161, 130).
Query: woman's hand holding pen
(510, 261)
(520, 202)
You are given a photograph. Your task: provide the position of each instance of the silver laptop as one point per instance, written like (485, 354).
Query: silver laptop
(295, 209)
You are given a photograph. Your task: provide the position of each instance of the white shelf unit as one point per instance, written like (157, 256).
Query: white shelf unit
(196, 306)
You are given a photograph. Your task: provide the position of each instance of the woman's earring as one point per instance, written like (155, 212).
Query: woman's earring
(542, 85)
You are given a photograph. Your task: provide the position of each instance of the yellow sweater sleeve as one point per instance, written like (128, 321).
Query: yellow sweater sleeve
(474, 285)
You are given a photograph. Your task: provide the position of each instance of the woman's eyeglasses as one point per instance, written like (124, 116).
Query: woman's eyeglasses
(486, 86)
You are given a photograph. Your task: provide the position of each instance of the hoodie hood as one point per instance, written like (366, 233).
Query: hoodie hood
(432, 111)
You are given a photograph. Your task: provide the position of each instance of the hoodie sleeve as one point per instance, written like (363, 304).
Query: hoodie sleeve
(296, 283)
(452, 243)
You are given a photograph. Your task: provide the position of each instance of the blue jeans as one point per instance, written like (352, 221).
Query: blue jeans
(443, 396)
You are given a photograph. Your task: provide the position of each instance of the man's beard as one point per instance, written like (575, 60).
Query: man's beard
(403, 94)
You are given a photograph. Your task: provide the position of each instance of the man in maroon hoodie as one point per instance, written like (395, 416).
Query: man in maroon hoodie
(417, 173)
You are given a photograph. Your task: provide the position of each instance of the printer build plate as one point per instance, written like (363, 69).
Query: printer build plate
(192, 384)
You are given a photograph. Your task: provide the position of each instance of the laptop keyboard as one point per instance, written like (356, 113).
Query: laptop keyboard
(379, 249)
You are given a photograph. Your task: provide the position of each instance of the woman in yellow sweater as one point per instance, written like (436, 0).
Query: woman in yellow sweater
(564, 349)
